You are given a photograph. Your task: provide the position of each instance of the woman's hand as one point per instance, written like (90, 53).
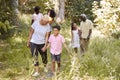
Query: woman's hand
(43, 49)
(28, 44)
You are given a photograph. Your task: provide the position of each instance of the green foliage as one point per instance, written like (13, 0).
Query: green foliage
(29, 7)
(76, 7)
(101, 62)
(107, 15)
(7, 10)
(4, 27)
(7, 15)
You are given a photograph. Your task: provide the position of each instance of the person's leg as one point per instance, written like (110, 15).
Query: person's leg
(44, 58)
(34, 52)
(59, 65)
(53, 66)
(53, 63)
(58, 57)
(76, 50)
(43, 55)
(82, 46)
(86, 45)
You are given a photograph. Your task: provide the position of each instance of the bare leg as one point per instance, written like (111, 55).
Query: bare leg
(53, 66)
(36, 68)
(58, 63)
(36, 64)
(82, 49)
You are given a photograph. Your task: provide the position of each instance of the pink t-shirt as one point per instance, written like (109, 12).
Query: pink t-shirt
(56, 43)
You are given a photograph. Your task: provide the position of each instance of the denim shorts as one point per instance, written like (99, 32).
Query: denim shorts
(55, 57)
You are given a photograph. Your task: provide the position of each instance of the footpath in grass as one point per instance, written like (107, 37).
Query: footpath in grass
(101, 62)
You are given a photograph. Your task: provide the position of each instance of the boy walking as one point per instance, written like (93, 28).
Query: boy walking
(55, 43)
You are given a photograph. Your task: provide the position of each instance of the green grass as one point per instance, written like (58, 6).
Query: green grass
(101, 62)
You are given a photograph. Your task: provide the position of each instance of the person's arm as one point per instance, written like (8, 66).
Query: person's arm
(80, 32)
(32, 21)
(65, 46)
(90, 31)
(71, 36)
(30, 36)
(48, 45)
(46, 41)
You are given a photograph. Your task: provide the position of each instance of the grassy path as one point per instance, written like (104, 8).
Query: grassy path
(101, 62)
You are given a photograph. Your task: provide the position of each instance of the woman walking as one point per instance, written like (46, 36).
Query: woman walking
(37, 41)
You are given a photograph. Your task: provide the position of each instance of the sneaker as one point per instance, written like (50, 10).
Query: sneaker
(36, 74)
(45, 70)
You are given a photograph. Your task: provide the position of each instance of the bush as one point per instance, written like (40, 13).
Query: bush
(29, 6)
(4, 27)
(101, 62)
(107, 16)
(74, 8)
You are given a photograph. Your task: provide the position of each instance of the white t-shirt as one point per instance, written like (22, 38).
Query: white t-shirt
(40, 31)
(85, 27)
(37, 17)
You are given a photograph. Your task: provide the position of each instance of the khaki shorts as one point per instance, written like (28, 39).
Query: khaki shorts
(84, 45)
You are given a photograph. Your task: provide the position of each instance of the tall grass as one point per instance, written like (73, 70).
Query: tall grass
(101, 61)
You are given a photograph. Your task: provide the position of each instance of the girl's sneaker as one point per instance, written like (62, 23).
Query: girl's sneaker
(36, 74)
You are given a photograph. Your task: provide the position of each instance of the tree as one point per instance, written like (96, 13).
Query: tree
(59, 6)
(74, 8)
(7, 15)
(26, 6)
(107, 15)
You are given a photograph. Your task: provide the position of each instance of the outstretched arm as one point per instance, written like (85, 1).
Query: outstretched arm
(30, 36)
(46, 41)
(65, 46)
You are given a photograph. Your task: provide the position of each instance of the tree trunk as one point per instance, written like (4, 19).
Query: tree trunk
(16, 11)
(23, 2)
(16, 6)
(59, 9)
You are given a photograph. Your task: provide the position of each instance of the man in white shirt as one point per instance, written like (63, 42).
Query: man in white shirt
(86, 30)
